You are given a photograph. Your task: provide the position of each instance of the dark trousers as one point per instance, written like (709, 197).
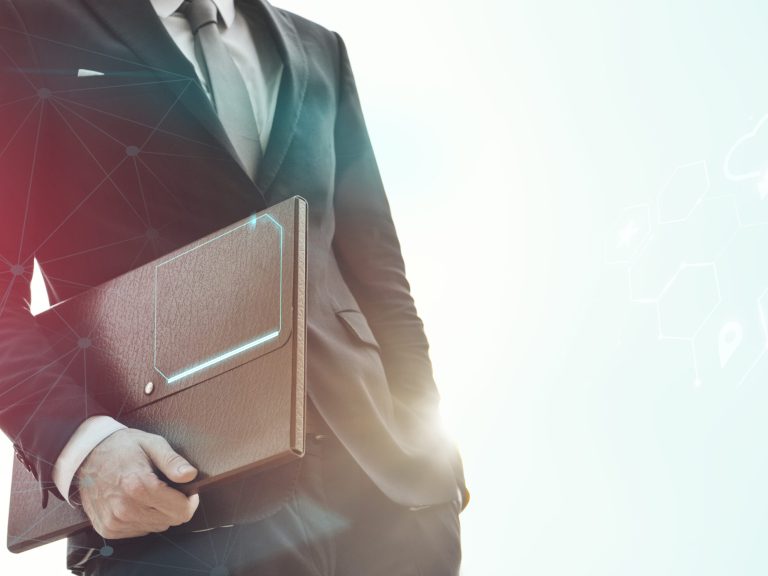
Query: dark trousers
(336, 523)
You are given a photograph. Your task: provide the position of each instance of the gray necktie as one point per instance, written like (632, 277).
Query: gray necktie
(230, 96)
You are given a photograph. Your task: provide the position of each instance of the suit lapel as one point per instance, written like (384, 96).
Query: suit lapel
(293, 86)
(136, 23)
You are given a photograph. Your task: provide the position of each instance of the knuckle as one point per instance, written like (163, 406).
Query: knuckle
(119, 512)
(132, 486)
(99, 527)
(159, 440)
(146, 438)
(180, 519)
(111, 524)
(152, 483)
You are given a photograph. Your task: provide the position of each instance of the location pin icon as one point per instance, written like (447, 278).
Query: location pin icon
(730, 338)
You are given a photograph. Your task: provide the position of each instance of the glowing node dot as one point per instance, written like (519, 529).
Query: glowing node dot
(219, 571)
(17, 269)
(44, 92)
(132, 150)
(106, 551)
(84, 343)
(152, 233)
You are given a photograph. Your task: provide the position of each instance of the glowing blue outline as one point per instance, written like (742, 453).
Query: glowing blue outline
(247, 346)
(222, 357)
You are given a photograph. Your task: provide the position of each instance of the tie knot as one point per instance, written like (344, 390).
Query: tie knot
(199, 13)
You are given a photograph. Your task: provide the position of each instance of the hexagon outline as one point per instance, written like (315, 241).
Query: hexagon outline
(667, 184)
(706, 316)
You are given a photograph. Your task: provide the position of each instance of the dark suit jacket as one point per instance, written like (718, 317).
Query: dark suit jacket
(101, 174)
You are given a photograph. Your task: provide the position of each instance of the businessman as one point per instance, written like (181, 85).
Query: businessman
(129, 128)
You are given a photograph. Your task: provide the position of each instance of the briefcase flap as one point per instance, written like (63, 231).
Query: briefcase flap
(190, 316)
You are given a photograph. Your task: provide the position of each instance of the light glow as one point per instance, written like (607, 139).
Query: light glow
(222, 357)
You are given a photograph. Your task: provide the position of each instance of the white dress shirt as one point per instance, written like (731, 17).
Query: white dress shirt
(255, 55)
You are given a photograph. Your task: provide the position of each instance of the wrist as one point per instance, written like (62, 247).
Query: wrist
(88, 435)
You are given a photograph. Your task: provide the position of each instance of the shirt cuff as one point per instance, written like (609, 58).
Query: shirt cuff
(87, 436)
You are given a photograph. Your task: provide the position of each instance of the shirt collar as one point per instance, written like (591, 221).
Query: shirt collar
(165, 8)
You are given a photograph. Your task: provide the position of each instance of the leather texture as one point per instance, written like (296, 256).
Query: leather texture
(214, 297)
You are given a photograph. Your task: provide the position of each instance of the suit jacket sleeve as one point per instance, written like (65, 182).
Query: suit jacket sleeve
(40, 406)
(368, 251)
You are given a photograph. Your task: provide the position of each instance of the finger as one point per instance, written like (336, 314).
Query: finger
(134, 515)
(169, 501)
(120, 534)
(142, 491)
(167, 460)
(133, 529)
(126, 517)
(112, 526)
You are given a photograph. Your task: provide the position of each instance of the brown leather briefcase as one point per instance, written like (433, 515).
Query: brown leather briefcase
(204, 346)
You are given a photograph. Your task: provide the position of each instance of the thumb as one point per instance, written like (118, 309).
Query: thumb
(167, 460)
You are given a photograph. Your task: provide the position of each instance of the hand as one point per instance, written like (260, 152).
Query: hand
(122, 495)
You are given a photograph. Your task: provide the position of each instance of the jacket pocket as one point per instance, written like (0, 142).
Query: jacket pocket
(357, 326)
